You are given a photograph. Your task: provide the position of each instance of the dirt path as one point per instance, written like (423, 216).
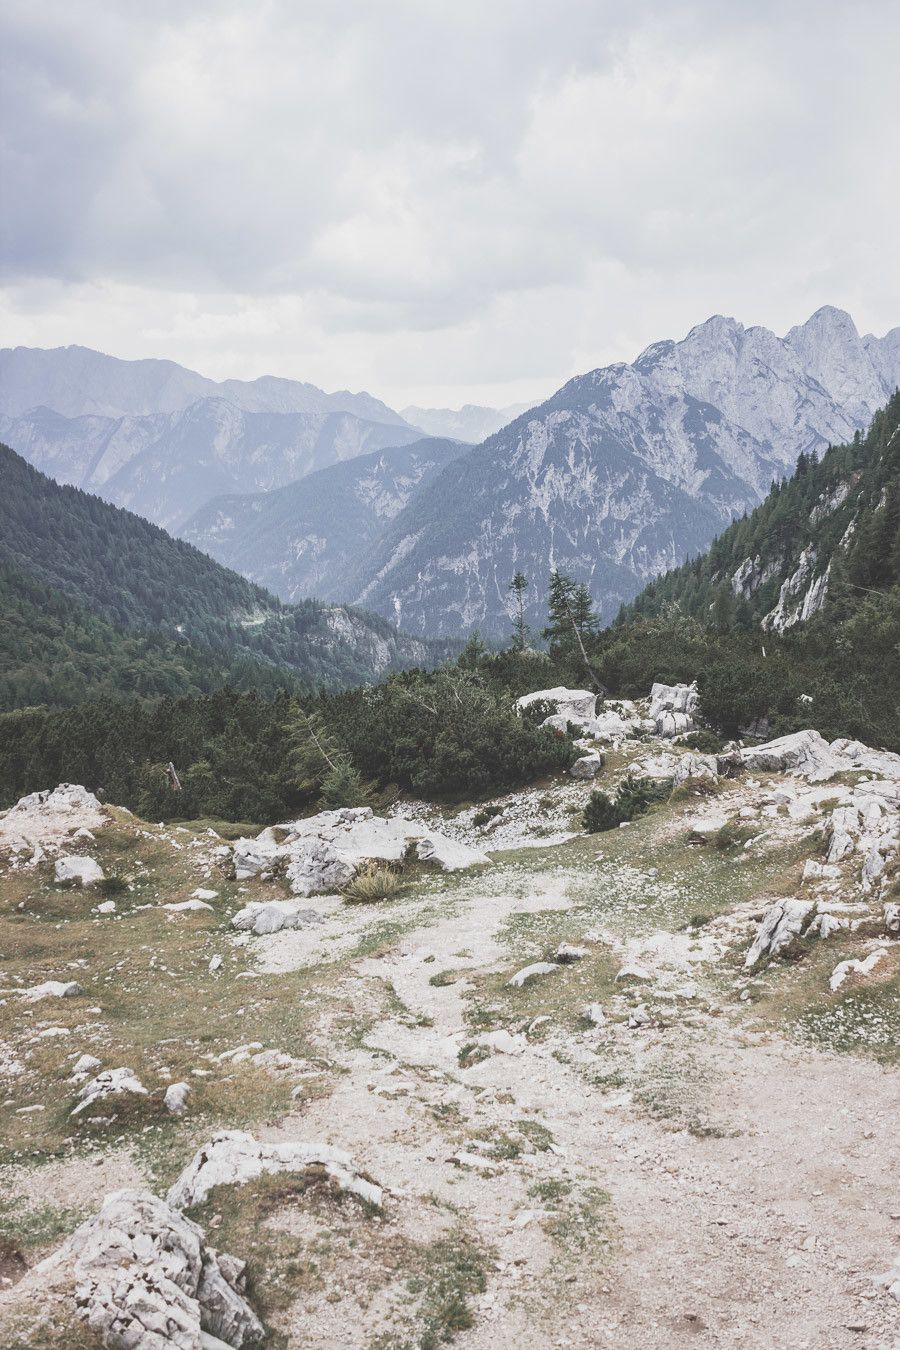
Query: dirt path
(762, 1229)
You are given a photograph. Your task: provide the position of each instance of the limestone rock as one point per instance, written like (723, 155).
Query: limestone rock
(782, 922)
(594, 1014)
(270, 916)
(804, 754)
(567, 953)
(233, 1157)
(855, 966)
(588, 766)
(52, 989)
(143, 1278)
(501, 1042)
(532, 972)
(175, 1099)
(672, 707)
(633, 974)
(83, 871)
(576, 705)
(109, 1083)
(892, 920)
(45, 819)
(694, 766)
(324, 852)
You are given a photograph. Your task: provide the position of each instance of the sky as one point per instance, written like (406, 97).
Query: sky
(441, 201)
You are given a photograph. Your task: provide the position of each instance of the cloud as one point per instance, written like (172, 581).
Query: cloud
(441, 199)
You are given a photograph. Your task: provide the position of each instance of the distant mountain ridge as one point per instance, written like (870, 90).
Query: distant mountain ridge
(625, 471)
(161, 440)
(78, 381)
(472, 422)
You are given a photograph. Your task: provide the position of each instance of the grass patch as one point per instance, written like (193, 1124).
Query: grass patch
(372, 884)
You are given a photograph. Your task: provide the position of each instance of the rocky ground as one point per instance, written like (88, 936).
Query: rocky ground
(645, 1142)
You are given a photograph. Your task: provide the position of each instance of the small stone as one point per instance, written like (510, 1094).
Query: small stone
(532, 972)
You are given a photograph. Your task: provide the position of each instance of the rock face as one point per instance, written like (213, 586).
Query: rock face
(782, 922)
(144, 1279)
(804, 753)
(234, 1157)
(322, 854)
(82, 871)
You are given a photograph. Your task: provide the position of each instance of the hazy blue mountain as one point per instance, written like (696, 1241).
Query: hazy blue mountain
(161, 440)
(308, 538)
(471, 423)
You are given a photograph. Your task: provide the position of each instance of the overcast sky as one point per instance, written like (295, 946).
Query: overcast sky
(441, 200)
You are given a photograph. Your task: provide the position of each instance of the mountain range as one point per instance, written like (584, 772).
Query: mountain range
(161, 440)
(471, 423)
(625, 471)
(619, 476)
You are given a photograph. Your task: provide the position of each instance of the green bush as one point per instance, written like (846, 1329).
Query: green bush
(634, 797)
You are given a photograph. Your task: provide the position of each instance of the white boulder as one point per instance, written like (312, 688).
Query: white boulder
(575, 705)
(672, 707)
(270, 916)
(45, 819)
(804, 754)
(176, 1097)
(501, 1042)
(694, 766)
(532, 972)
(566, 953)
(892, 920)
(109, 1083)
(780, 924)
(141, 1275)
(234, 1157)
(52, 989)
(81, 870)
(855, 966)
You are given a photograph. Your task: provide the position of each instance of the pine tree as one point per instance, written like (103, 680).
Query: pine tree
(518, 586)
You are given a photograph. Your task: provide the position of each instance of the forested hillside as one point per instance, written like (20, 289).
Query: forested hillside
(207, 623)
(821, 543)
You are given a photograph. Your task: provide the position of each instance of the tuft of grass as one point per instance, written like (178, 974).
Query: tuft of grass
(733, 835)
(371, 885)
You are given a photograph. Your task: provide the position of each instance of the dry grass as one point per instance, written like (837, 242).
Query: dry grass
(372, 884)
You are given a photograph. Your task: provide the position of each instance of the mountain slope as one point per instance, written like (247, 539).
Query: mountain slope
(625, 471)
(307, 538)
(161, 440)
(817, 546)
(138, 579)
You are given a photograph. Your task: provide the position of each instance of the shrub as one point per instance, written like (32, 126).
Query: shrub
(634, 797)
(733, 835)
(371, 885)
(704, 742)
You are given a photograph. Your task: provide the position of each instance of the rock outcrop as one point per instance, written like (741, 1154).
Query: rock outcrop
(672, 708)
(782, 922)
(322, 854)
(143, 1278)
(234, 1157)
